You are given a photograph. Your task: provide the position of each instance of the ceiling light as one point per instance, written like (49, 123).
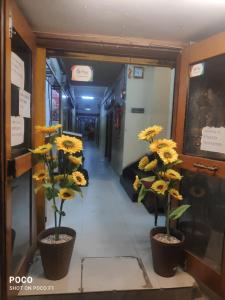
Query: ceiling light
(64, 96)
(87, 108)
(87, 97)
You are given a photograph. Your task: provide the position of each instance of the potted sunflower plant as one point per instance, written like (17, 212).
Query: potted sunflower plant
(162, 179)
(61, 179)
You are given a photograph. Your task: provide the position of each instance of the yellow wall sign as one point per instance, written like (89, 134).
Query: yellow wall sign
(82, 73)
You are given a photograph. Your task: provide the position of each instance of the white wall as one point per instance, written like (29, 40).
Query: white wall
(154, 93)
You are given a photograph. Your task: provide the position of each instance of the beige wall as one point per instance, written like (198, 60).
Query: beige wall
(154, 93)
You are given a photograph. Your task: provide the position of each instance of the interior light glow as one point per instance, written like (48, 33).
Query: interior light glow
(64, 96)
(87, 97)
(87, 108)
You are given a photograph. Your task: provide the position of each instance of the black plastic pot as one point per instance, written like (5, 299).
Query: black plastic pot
(166, 257)
(56, 257)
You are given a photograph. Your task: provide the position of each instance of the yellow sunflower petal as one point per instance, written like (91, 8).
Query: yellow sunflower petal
(44, 149)
(149, 133)
(48, 130)
(66, 194)
(40, 175)
(136, 183)
(143, 162)
(167, 155)
(69, 144)
(79, 178)
(152, 165)
(159, 186)
(175, 194)
(172, 174)
(159, 144)
(75, 160)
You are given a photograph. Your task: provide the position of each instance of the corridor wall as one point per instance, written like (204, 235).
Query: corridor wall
(153, 93)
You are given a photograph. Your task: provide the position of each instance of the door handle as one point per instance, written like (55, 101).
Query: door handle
(209, 168)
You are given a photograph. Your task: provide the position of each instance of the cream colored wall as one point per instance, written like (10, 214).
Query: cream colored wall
(154, 93)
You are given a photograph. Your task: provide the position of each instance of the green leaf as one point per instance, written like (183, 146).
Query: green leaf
(148, 179)
(47, 185)
(178, 212)
(142, 193)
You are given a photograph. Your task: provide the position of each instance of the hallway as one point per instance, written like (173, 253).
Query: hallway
(108, 225)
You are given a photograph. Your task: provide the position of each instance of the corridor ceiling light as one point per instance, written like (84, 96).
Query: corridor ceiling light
(87, 97)
(87, 108)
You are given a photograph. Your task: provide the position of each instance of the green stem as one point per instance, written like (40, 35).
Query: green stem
(167, 215)
(61, 209)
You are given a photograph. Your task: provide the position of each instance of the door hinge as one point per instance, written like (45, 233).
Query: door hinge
(11, 168)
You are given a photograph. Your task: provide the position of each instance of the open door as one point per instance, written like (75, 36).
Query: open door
(21, 116)
(200, 135)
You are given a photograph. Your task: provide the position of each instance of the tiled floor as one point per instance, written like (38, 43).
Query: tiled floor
(109, 225)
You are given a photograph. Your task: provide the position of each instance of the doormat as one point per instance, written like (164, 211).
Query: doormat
(113, 274)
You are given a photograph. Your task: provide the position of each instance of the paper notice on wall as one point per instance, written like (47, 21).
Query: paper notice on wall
(24, 104)
(197, 70)
(17, 131)
(213, 139)
(17, 71)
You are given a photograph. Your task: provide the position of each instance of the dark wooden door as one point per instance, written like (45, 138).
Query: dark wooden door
(200, 119)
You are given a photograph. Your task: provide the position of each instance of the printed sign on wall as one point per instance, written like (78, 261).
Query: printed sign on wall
(17, 131)
(197, 70)
(17, 71)
(213, 139)
(82, 73)
(24, 104)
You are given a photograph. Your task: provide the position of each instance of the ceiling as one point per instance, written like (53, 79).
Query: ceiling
(174, 20)
(104, 75)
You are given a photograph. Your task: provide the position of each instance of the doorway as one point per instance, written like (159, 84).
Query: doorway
(106, 220)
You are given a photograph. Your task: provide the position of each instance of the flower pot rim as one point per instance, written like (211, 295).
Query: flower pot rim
(162, 229)
(48, 231)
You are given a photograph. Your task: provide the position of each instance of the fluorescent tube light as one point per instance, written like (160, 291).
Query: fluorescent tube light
(87, 97)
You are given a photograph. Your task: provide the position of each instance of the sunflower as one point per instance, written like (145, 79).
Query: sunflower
(75, 160)
(167, 155)
(159, 144)
(143, 162)
(40, 175)
(66, 194)
(136, 183)
(79, 178)
(44, 149)
(172, 174)
(58, 126)
(48, 130)
(149, 133)
(174, 193)
(152, 165)
(69, 144)
(159, 186)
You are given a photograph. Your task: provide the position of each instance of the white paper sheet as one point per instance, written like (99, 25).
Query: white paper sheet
(213, 139)
(24, 104)
(17, 131)
(17, 70)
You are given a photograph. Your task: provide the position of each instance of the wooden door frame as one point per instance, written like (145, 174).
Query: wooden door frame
(3, 253)
(25, 162)
(205, 49)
